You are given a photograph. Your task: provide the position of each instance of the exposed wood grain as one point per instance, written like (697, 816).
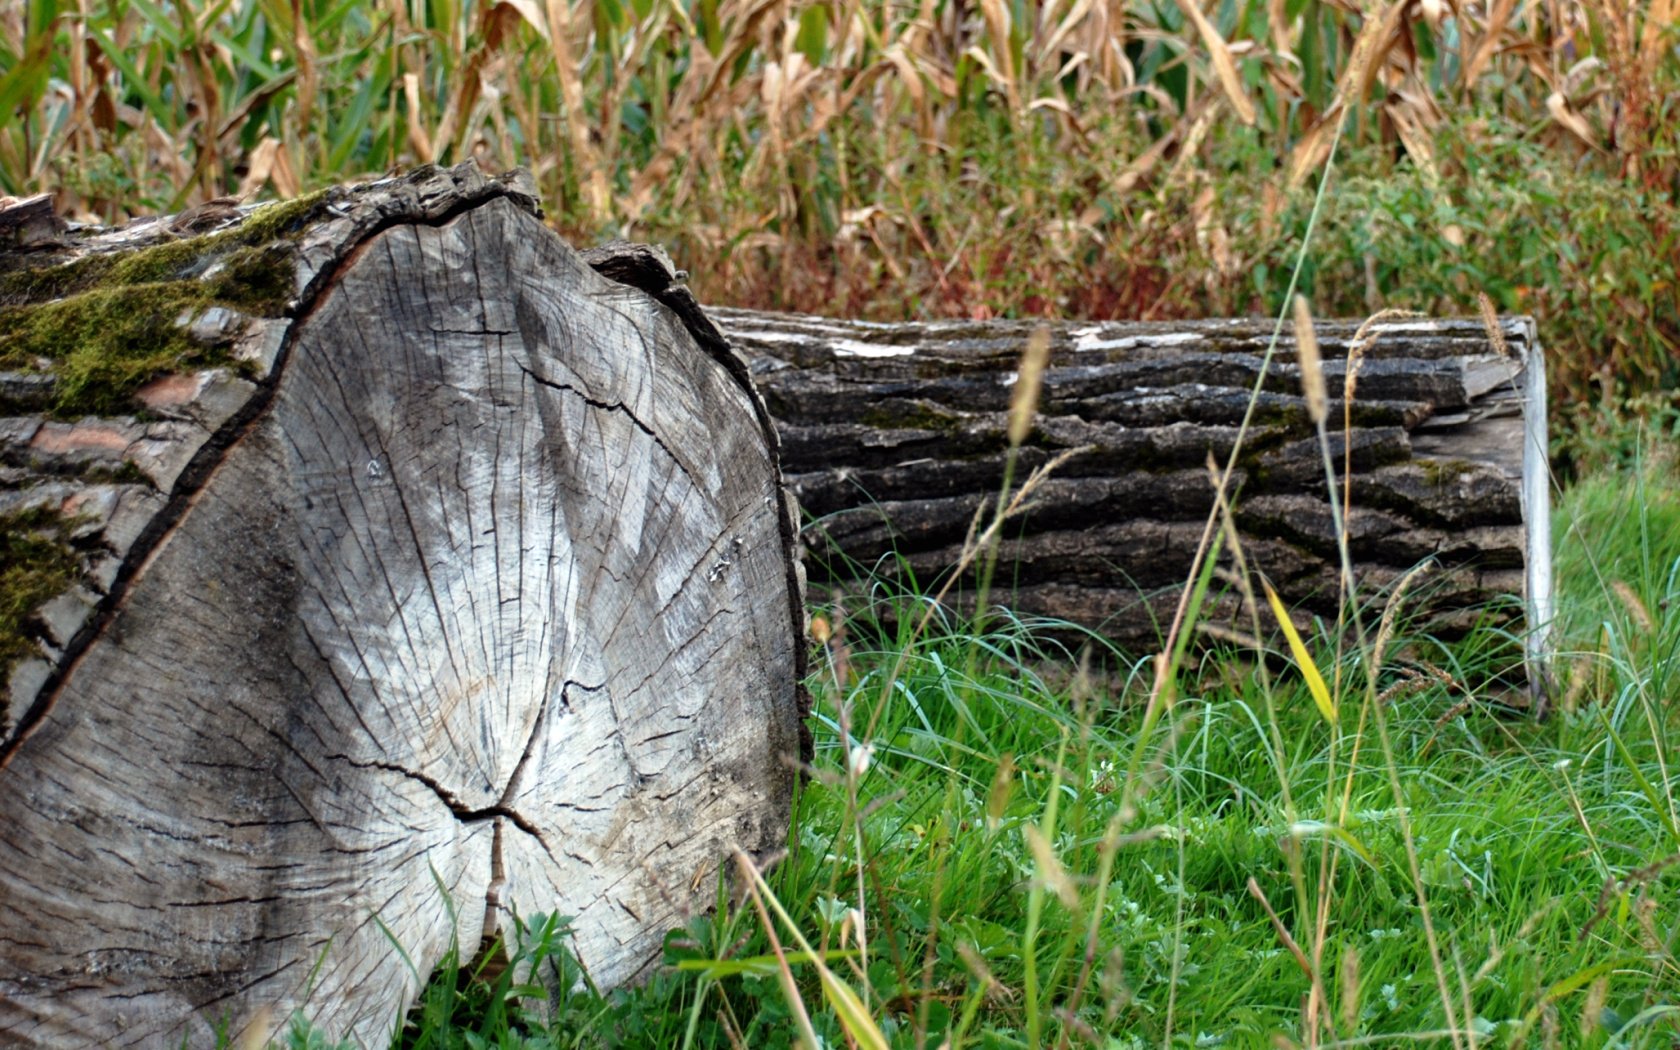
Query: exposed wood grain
(895, 434)
(488, 583)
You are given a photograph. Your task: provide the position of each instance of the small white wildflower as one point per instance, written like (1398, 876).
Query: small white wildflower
(857, 760)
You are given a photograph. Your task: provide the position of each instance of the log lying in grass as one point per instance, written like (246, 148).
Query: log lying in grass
(895, 434)
(389, 564)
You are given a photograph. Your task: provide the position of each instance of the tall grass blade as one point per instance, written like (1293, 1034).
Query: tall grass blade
(1303, 658)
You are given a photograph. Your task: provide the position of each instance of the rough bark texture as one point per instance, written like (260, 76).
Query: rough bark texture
(28, 223)
(470, 568)
(894, 435)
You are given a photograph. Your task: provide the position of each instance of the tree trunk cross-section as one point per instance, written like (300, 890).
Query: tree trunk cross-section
(895, 434)
(488, 584)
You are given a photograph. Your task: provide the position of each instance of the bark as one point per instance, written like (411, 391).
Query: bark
(465, 588)
(29, 223)
(894, 436)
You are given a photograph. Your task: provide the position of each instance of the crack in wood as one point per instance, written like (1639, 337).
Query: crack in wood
(617, 407)
(462, 812)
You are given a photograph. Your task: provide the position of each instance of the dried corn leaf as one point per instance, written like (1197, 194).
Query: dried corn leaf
(1661, 17)
(1410, 119)
(1053, 42)
(1376, 37)
(1573, 122)
(1224, 65)
(532, 14)
(1144, 163)
(418, 140)
(907, 72)
(1489, 43)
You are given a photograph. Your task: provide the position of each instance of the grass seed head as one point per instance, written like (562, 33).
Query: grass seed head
(1311, 365)
(1490, 322)
(1364, 338)
(1024, 405)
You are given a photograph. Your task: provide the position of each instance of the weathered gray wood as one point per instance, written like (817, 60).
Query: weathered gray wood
(471, 568)
(28, 223)
(894, 434)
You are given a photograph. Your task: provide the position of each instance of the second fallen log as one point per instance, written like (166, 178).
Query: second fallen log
(895, 434)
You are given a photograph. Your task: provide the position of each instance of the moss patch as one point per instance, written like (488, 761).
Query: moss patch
(107, 324)
(1439, 472)
(36, 564)
(171, 261)
(103, 345)
(898, 414)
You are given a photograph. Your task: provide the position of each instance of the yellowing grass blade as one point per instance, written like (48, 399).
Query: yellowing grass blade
(1305, 829)
(1050, 870)
(1303, 659)
(846, 1004)
(854, 1017)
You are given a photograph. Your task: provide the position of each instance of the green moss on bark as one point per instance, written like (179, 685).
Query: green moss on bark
(174, 260)
(1441, 472)
(899, 414)
(106, 324)
(102, 345)
(36, 565)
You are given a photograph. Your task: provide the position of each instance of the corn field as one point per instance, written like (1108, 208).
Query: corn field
(962, 157)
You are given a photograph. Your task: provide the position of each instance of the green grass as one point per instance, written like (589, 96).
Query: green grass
(1544, 852)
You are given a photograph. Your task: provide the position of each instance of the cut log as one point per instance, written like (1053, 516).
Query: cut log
(894, 435)
(410, 570)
